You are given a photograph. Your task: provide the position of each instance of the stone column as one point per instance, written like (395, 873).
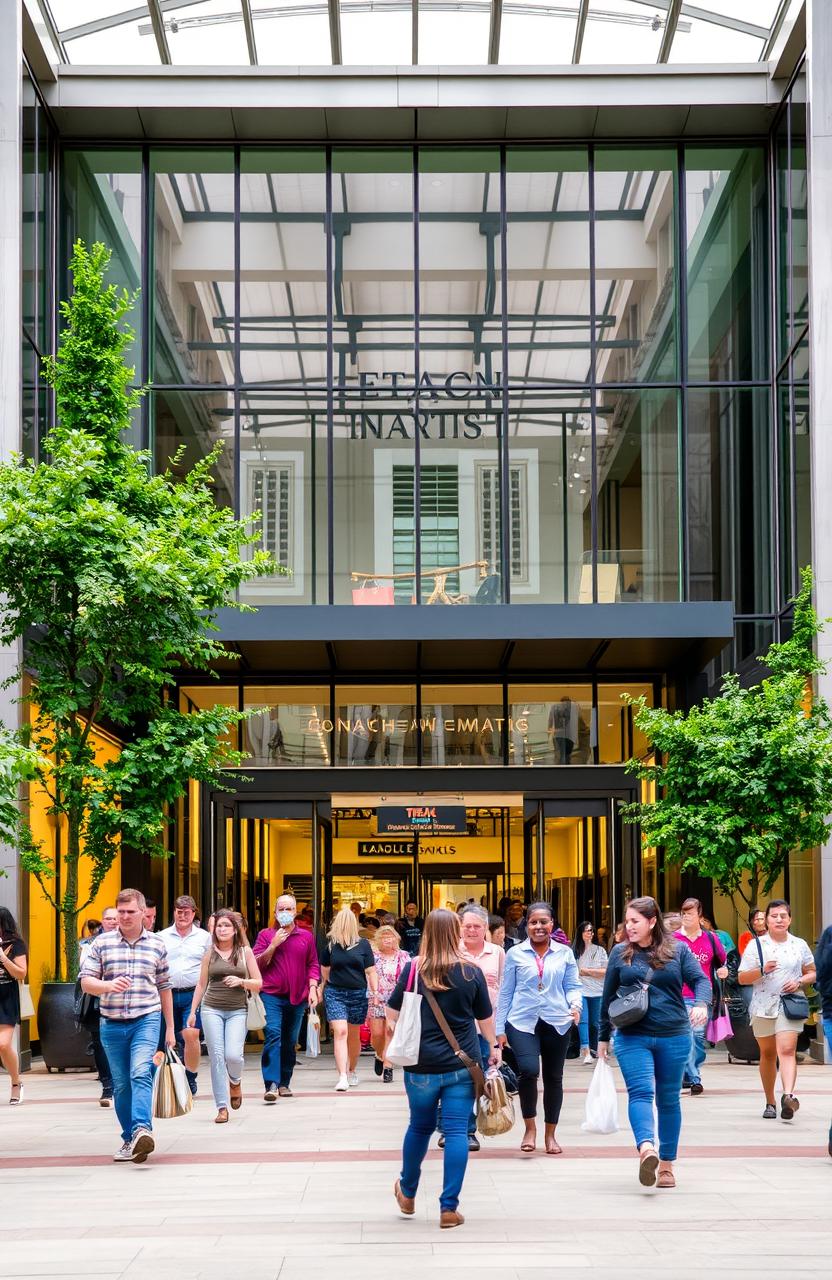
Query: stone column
(819, 144)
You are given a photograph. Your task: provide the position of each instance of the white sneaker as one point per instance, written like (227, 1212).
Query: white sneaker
(587, 1059)
(343, 1085)
(352, 1079)
(141, 1146)
(125, 1152)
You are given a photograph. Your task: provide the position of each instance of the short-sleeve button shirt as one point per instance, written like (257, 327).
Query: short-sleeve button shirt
(144, 962)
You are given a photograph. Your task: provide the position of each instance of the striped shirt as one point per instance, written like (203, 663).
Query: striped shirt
(144, 962)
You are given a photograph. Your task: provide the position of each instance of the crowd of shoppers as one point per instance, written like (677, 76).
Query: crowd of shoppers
(486, 993)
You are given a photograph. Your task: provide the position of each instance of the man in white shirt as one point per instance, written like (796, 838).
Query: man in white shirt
(185, 943)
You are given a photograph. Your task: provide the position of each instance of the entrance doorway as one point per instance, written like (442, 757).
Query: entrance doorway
(450, 886)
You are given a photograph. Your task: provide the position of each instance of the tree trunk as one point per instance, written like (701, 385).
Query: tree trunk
(69, 900)
(754, 888)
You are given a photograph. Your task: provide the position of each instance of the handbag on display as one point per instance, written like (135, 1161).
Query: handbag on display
(371, 592)
(255, 1012)
(631, 1006)
(403, 1049)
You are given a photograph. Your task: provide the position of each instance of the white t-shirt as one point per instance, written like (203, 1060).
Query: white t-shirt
(791, 955)
(595, 957)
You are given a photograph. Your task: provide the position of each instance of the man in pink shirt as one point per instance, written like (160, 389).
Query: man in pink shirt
(288, 961)
(710, 953)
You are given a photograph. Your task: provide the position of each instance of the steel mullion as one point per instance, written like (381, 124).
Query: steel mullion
(417, 368)
(580, 28)
(670, 24)
(593, 413)
(159, 33)
(503, 437)
(495, 25)
(682, 358)
(330, 425)
(251, 40)
(334, 9)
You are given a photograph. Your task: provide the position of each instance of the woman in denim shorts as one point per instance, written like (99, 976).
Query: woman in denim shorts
(349, 968)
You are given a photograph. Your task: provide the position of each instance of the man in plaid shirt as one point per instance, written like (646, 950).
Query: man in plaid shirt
(128, 969)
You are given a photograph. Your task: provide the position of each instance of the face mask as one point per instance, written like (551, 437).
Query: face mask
(285, 918)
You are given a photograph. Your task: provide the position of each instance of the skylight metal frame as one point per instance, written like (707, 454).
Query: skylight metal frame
(157, 21)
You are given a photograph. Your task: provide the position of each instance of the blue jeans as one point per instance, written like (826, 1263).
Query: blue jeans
(130, 1046)
(697, 1053)
(182, 1001)
(652, 1068)
(827, 1031)
(283, 1021)
(485, 1051)
(590, 1022)
(455, 1090)
(225, 1036)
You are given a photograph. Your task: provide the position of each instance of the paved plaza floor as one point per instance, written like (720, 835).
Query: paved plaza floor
(305, 1187)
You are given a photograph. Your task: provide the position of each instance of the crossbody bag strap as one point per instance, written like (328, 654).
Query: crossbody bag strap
(474, 1069)
(760, 954)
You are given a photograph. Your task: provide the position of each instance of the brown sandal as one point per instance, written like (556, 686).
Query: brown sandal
(406, 1204)
(222, 1116)
(236, 1094)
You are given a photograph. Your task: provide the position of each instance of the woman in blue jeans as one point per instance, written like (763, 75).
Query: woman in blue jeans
(438, 1075)
(592, 961)
(653, 1051)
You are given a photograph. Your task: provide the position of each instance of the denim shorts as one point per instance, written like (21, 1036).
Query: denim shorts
(345, 1006)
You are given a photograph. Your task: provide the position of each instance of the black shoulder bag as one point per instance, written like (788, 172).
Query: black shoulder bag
(631, 1005)
(795, 1003)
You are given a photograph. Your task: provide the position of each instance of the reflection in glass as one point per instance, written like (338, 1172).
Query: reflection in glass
(639, 530)
(550, 496)
(462, 725)
(727, 256)
(196, 697)
(282, 267)
(103, 202)
(282, 473)
(618, 738)
(376, 725)
(729, 516)
(185, 426)
(459, 264)
(547, 259)
(635, 265)
(287, 726)
(193, 266)
(372, 261)
(550, 724)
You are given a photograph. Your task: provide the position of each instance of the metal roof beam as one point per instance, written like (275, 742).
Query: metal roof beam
(159, 33)
(494, 32)
(670, 24)
(248, 23)
(708, 15)
(334, 8)
(119, 19)
(579, 31)
(414, 32)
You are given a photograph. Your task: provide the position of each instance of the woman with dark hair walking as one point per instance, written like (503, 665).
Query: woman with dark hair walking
(460, 993)
(540, 999)
(592, 961)
(652, 1049)
(229, 971)
(778, 966)
(14, 965)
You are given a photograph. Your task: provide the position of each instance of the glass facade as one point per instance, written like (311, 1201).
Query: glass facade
(480, 376)
(37, 254)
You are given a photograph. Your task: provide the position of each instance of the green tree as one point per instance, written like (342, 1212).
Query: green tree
(746, 777)
(17, 764)
(113, 576)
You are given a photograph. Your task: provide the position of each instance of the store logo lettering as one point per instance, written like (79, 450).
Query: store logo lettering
(430, 423)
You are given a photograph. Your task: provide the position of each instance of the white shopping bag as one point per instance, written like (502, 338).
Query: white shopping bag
(601, 1101)
(313, 1036)
(172, 1095)
(403, 1049)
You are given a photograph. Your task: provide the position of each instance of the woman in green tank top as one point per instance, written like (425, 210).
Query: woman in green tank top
(229, 971)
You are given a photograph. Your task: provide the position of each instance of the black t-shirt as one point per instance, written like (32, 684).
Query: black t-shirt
(347, 964)
(410, 932)
(465, 1000)
(14, 948)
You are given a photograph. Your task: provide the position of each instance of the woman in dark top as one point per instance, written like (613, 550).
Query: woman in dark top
(653, 1051)
(439, 1076)
(348, 966)
(13, 968)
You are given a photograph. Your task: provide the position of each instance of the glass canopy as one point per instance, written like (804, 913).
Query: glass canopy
(374, 33)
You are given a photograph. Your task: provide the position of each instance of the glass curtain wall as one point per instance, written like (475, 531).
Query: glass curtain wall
(467, 377)
(37, 211)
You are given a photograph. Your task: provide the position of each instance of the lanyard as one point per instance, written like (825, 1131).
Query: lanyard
(540, 962)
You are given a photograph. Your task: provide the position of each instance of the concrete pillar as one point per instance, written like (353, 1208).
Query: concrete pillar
(819, 143)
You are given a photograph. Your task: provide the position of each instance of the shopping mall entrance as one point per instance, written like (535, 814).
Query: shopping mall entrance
(438, 848)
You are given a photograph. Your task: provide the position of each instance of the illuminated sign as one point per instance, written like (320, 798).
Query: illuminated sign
(432, 819)
(385, 848)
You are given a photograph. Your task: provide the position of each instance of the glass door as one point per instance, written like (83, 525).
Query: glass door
(577, 864)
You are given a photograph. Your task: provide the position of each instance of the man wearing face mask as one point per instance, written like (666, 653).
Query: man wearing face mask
(288, 961)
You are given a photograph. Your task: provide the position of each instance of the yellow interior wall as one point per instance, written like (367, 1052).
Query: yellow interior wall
(40, 930)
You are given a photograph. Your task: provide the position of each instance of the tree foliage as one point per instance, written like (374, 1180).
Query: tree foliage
(113, 575)
(746, 777)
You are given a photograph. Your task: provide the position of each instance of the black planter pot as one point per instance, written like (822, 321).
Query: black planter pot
(61, 1043)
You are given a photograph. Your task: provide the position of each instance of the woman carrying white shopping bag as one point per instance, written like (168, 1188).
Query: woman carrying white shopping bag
(229, 972)
(437, 1074)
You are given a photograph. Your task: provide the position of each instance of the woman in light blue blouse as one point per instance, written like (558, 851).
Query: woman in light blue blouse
(539, 1001)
